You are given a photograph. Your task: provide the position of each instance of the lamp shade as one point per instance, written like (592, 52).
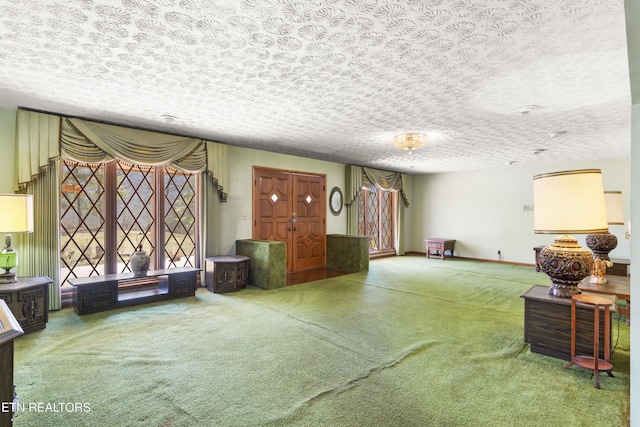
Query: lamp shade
(16, 213)
(569, 202)
(613, 202)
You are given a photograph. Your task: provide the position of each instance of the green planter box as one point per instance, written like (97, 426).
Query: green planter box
(267, 262)
(347, 253)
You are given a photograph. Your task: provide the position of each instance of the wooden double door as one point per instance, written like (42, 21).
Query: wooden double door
(290, 207)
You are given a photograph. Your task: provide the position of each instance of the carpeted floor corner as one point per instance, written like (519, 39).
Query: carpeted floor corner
(412, 342)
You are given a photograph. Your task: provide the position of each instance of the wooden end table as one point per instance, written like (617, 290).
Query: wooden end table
(226, 273)
(436, 247)
(593, 362)
(28, 300)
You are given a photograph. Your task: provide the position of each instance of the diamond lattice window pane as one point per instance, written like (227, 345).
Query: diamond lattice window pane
(274, 198)
(308, 199)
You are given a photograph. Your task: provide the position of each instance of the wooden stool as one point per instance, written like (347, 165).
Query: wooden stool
(588, 362)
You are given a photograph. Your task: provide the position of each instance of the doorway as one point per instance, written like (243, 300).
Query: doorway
(290, 207)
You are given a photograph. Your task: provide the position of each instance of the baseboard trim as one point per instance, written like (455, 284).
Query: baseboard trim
(522, 264)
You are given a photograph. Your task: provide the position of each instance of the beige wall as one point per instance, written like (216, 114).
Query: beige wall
(484, 210)
(238, 206)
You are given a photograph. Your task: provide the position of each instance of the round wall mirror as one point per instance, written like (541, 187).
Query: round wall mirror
(335, 201)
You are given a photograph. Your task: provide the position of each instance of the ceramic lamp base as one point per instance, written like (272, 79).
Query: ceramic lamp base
(566, 263)
(8, 277)
(601, 244)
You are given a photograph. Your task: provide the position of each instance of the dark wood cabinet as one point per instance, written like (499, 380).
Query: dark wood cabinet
(100, 293)
(547, 324)
(226, 273)
(6, 383)
(28, 300)
(9, 330)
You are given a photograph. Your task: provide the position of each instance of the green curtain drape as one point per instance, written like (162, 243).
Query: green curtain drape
(42, 138)
(357, 177)
(37, 154)
(353, 185)
(88, 141)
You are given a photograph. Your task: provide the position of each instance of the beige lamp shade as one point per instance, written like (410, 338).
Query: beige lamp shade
(569, 202)
(613, 202)
(16, 213)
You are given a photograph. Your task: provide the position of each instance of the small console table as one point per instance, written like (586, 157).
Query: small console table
(226, 273)
(547, 325)
(436, 248)
(28, 299)
(101, 293)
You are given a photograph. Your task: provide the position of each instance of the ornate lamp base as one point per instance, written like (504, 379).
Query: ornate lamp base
(8, 277)
(566, 263)
(601, 244)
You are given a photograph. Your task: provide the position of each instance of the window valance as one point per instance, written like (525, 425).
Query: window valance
(87, 141)
(93, 142)
(358, 177)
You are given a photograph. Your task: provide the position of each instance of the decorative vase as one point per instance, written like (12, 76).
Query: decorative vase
(139, 262)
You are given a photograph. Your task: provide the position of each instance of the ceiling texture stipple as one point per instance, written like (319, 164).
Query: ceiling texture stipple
(335, 80)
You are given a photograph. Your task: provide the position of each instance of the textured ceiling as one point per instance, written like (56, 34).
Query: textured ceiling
(335, 79)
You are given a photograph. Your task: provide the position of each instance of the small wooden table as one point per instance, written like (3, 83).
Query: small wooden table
(593, 362)
(28, 300)
(226, 273)
(437, 247)
(616, 285)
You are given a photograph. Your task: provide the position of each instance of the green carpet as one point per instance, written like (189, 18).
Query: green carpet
(412, 342)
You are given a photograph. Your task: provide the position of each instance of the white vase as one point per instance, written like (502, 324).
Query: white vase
(139, 262)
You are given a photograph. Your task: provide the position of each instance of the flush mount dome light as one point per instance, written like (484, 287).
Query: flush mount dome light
(168, 118)
(557, 134)
(409, 141)
(527, 109)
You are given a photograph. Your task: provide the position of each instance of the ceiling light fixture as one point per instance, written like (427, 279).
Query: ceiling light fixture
(409, 141)
(527, 109)
(557, 134)
(168, 118)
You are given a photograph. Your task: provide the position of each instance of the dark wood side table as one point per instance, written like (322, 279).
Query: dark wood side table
(28, 299)
(593, 362)
(437, 247)
(226, 273)
(547, 324)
